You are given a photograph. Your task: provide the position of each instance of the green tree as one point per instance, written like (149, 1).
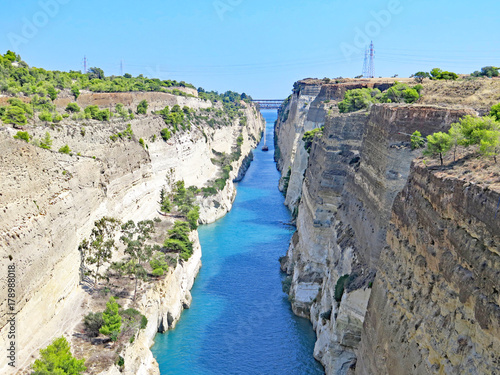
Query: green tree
(192, 217)
(357, 99)
(98, 249)
(495, 112)
(158, 264)
(457, 137)
(438, 144)
(112, 321)
(487, 71)
(142, 108)
(178, 240)
(420, 76)
(416, 140)
(437, 73)
(135, 237)
(56, 359)
(165, 134)
(52, 93)
(23, 136)
(75, 91)
(490, 143)
(14, 115)
(95, 73)
(46, 141)
(472, 129)
(165, 201)
(72, 107)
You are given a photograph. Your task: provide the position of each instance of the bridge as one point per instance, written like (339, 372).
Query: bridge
(268, 103)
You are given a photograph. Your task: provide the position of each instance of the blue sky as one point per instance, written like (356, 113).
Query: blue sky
(253, 46)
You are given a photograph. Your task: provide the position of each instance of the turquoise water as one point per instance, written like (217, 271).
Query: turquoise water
(240, 321)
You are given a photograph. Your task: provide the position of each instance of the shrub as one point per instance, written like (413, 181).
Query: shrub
(495, 111)
(339, 287)
(45, 116)
(57, 118)
(192, 217)
(144, 322)
(46, 142)
(57, 359)
(142, 108)
(165, 134)
(417, 141)
(357, 99)
(112, 320)
(308, 137)
(15, 116)
(158, 264)
(23, 136)
(65, 149)
(141, 142)
(437, 73)
(75, 91)
(93, 323)
(72, 107)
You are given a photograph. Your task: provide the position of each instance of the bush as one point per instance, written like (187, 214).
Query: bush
(142, 108)
(165, 134)
(65, 149)
(112, 320)
(178, 240)
(417, 141)
(72, 107)
(192, 217)
(56, 118)
(14, 115)
(158, 264)
(141, 142)
(93, 323)
(45, 116)
(437, 73)
(57, 359)
(46, 142)
(495, 112)
(357, 99)
(308, 137)
(23, 136)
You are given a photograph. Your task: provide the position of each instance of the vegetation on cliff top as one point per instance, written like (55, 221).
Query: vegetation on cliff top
(357, 99)
(483, 133)
(57, 359)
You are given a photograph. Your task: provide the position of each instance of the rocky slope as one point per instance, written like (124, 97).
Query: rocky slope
(50, 201)
(354, 172)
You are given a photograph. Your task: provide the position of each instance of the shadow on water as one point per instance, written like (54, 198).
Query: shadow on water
(240, 321)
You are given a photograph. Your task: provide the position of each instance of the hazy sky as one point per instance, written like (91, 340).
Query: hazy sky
(253, 46)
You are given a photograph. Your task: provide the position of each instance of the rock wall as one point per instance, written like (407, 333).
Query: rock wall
(50, 201)
(355, 170)
(435, 304)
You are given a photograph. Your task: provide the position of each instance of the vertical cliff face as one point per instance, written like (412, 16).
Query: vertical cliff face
(435, 302)
(355, 170)
(50, 201)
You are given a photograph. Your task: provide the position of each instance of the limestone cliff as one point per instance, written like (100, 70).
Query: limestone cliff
(435, 305)
(50, 200)
(354, 172)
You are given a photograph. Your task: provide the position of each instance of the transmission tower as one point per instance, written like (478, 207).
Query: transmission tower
(84, 64)
(121, 67)
(371, 64)
(365, 64)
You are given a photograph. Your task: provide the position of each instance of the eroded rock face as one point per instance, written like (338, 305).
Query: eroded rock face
(434, 306)
(49, 202)
(354, 172)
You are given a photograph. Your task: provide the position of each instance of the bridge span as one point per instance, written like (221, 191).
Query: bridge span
(268, 103)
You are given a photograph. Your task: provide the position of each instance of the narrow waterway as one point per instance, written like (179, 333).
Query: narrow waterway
(240, 321)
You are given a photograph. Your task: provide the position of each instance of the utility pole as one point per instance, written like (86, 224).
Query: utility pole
(371, 65)
(365, 64)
